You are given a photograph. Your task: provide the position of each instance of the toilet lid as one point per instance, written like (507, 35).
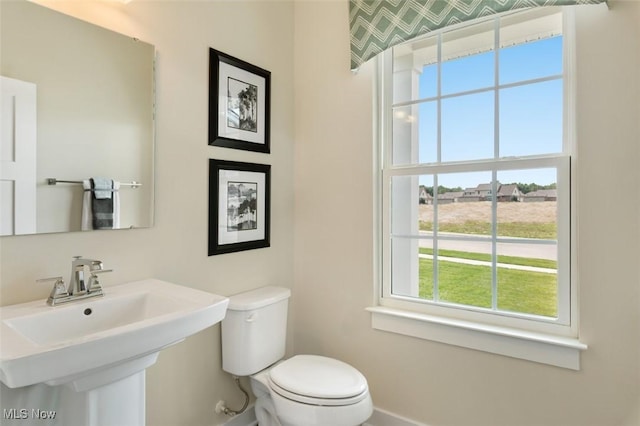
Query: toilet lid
(318, 377)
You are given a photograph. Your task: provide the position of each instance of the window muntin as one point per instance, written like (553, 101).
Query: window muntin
(472, 143)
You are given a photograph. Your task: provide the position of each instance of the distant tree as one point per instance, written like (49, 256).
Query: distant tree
(525, 188)
(441, 189)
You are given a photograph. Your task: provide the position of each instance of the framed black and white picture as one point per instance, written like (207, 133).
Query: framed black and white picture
(239, 103)
(239, 206)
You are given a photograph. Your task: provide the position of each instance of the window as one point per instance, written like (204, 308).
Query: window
(475, 129)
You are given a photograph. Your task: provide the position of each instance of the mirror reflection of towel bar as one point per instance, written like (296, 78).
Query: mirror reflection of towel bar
(54, 181)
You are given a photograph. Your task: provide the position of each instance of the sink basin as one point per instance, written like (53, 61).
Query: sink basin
(104, 339)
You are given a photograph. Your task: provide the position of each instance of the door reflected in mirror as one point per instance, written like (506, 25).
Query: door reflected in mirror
(77, 104)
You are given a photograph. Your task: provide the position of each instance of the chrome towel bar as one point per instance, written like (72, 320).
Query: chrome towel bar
(54, 181)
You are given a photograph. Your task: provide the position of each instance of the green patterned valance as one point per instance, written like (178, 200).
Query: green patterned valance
(377, 25)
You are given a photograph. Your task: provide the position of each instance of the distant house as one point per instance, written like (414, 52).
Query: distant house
(541, 195)
(450, 197)
(470, 195)
(424, 196)
(484, 190)
(509, 193)
(471, 192)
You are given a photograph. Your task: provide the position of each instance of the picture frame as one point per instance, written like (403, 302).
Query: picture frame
(239, 206)
(239, 103)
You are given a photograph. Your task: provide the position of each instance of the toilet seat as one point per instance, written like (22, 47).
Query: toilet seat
(317, 401)
(318, 380)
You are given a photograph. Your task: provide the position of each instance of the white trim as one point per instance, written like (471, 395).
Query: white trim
(484, 165)
(379, 417)
(538, 347)
(382, 417)
(551, 341)
(569, 68)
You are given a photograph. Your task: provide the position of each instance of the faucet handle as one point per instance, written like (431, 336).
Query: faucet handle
(95, 272)
(58, 291)
(94, 286)
(44, 280)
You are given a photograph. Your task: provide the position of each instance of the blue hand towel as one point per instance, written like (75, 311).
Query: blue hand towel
(104, 184)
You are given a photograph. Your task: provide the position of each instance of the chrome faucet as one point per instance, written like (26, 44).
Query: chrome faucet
(77, 284)
(83, 282)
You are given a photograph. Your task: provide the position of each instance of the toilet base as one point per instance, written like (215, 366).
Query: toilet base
(291, 413)
(266, 412)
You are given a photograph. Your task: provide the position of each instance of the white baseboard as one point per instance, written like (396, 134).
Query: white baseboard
(378, 418)
(385, 418)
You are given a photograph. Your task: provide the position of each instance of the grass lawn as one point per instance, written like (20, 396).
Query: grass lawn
(518, 291)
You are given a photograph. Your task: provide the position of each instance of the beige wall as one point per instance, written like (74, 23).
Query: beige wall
(435, 383)
(328, 260)
(185, 384)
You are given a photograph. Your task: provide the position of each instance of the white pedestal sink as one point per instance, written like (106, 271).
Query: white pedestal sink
(93, 353)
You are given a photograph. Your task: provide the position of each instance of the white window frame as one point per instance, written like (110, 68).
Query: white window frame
(553, 342)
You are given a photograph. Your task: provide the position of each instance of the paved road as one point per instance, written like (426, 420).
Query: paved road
(536, 251)
(499, 265)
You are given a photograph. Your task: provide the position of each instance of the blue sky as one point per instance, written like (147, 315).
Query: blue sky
(530, 116)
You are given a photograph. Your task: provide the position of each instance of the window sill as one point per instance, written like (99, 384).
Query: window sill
(546, 349)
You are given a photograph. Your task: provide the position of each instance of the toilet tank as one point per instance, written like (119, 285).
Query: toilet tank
(254, 330)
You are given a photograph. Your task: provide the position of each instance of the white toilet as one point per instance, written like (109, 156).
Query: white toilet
(305, 390)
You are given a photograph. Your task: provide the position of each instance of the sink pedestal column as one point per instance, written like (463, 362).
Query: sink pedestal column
(121, 403)
(111, 397)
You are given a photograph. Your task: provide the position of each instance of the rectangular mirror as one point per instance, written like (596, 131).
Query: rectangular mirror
(77, 103)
